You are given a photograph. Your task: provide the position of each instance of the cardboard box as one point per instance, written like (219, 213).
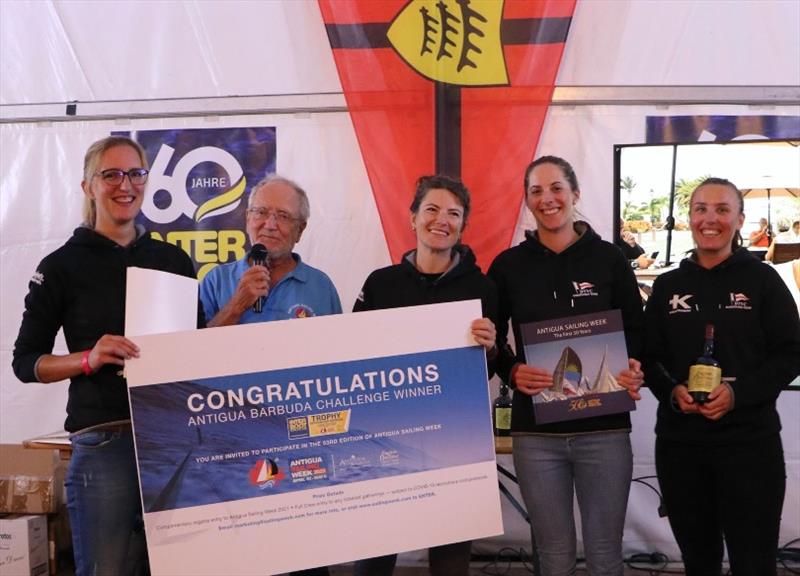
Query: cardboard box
(23, 545)
(59, 539)
(31, 480)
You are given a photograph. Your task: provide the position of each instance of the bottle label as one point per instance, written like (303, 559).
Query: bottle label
(502, 418)
(704, 378)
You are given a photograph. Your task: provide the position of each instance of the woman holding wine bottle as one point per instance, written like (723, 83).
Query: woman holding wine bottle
(439, 269)
(723, 340)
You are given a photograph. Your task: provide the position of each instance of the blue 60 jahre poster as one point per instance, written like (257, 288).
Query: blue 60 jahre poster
(198, 186)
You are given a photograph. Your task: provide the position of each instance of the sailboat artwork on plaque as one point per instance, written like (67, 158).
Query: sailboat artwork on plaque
(583, 353)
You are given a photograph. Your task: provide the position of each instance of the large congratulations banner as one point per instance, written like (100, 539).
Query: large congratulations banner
(272, 447)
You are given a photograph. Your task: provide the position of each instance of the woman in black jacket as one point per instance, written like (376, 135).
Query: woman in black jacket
(80, 288)
(720, 464)
(439, 269)
(564, 269)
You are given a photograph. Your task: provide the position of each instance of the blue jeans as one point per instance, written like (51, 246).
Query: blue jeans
(105, 511)
(596, 468)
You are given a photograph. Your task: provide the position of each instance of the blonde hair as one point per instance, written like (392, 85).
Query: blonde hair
(90, 162)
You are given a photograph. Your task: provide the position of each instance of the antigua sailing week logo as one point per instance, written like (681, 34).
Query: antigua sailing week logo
(266, 473)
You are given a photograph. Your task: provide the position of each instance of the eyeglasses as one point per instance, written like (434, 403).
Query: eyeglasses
(115, 176)
(281, 217)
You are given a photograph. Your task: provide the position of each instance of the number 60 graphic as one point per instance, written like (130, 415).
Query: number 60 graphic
(175, 185)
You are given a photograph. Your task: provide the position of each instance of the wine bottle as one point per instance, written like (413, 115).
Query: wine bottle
(501, 414)
(705, 374)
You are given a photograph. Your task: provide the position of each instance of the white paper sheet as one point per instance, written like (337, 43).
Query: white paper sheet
(158, 302)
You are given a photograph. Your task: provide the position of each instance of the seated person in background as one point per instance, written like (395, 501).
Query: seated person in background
(785, 236)
(762, 237)
(790, 273)
(632, 251)
(794, 233)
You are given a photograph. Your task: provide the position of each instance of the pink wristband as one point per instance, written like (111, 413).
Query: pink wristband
(87, 369)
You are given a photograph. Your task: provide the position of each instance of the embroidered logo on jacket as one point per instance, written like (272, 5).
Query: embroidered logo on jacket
(37, 278)
(680, 303)
(583, 289)
(301, 311)
(738, 301)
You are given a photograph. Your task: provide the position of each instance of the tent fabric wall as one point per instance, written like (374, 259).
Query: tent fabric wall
(698, 43)
(129, 50)
(99, 51)
(125, 53)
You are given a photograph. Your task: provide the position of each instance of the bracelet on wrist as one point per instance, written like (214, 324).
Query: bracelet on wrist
(85, 366)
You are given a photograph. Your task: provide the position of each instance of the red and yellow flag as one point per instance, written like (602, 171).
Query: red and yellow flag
(458, 87)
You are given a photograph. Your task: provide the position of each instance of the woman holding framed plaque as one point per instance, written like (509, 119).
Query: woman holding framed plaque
(439, 269)
(564, 269)
(723, 340)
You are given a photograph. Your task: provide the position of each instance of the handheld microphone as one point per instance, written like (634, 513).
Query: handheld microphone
(258, 254)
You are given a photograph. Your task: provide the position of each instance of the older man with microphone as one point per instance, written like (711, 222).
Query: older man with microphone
(271, 282)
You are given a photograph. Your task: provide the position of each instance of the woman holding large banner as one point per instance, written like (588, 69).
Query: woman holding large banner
(723, 340)
(439, 269)
(81, 288)
(561, 270)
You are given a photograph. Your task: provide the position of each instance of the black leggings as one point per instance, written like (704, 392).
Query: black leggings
(733, 492)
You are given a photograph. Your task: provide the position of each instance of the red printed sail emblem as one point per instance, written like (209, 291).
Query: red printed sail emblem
(456, 87)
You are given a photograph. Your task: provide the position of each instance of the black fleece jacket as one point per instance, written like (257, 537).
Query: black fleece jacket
(403, 285)
(534, 283)
(757, 343)
(81, 288)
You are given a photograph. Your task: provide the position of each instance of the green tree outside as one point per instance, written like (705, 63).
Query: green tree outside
(683, 193)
